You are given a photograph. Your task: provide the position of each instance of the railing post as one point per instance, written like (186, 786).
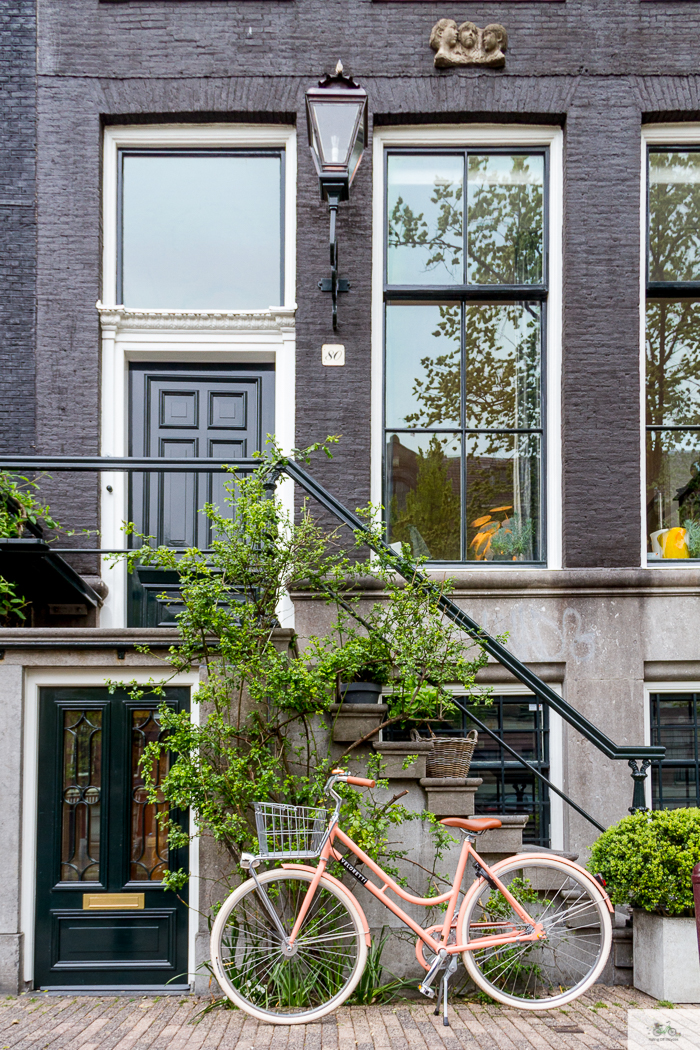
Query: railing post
(639, 775)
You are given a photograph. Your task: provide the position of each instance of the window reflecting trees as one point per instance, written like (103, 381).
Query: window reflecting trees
(464, 374)
(673, 355)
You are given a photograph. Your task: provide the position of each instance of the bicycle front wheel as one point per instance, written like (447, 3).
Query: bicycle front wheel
(329, 954)
(544, 974)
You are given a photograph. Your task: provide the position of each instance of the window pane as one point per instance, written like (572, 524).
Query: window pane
(502, 365)
(81, 807)
(673, 361)
(423, 493)
(673, 494)
(201, 232)
(504, 219)
(503, 497)
(425, 220)
(149, 840)
(674, 216)
(678, 787)
(422, 365)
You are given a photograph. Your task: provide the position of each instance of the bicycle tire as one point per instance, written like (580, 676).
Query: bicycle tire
(246, 951)
(545, 974)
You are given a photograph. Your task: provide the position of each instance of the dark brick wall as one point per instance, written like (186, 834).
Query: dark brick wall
(17, 223)
(597, 69)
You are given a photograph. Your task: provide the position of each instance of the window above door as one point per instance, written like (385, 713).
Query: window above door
(199, 217)
(200, 229)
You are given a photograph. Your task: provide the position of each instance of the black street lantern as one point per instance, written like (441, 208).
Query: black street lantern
(336, 113)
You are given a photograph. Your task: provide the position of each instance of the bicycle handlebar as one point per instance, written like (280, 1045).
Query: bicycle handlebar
(347, 778)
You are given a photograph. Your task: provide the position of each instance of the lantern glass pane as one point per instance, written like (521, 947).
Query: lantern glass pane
(335, 122)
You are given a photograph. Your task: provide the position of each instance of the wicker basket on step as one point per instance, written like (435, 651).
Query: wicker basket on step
(451, 756)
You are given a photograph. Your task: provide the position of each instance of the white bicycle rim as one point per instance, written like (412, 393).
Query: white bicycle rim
(266, 1015)
(569, 994)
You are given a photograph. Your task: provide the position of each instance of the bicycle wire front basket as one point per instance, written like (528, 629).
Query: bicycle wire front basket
(290, 831)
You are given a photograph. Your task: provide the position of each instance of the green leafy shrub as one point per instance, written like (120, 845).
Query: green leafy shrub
(265, 729)
(647, 860)
(18, 506)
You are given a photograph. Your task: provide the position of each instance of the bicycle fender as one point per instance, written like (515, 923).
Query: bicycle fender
(563, 860)
(338, 884)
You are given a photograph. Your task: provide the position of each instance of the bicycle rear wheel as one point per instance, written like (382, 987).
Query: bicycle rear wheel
(328, 960)
(543, 974)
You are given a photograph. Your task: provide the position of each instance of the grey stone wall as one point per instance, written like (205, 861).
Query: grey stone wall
(17, 223)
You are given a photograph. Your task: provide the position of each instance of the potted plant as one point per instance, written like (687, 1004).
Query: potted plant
(647, 861)
(361, 667)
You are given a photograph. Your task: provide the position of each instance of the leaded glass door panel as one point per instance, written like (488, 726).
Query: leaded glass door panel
(103, 917)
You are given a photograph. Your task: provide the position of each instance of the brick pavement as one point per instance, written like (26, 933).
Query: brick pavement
(41, 1022)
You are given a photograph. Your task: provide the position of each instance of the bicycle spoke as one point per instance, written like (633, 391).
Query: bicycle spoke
(548, 970)
(323, 959)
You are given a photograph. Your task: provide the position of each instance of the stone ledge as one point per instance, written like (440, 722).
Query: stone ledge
(352, 721)
(450, 796)
(394, 752)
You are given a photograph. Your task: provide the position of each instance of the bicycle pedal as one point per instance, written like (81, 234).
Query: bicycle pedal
(429, 992)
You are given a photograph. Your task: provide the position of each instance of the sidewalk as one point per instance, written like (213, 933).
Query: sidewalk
(42, 1022)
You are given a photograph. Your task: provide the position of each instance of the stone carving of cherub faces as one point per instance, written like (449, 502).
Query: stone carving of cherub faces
(469, 37)
(467, 45)
(494, 41)
(443, 40)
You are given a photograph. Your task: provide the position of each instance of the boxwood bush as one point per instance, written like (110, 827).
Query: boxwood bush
(647, 860)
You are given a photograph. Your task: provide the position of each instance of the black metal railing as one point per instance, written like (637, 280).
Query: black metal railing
(638, 757)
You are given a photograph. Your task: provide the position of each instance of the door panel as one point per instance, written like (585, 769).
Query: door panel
(178, 412)
(97, 835)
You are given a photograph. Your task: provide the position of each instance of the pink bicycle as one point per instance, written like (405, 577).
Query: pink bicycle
(289, 945)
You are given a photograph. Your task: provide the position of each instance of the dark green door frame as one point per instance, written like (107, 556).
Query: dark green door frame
(96, 836)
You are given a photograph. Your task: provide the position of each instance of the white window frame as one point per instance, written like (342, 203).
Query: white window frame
(475, 135)
(653, 135)
(36, 678)
(186, 336)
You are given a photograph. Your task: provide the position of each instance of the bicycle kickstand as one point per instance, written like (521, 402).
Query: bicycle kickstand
(443, 991)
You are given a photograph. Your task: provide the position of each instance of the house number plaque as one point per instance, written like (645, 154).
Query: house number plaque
(113, 901)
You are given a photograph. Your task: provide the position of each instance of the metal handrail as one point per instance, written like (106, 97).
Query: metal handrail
(523, 761)
(638, 757)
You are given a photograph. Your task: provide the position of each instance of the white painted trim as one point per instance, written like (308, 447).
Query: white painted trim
(195, 336)
(435, 136)
(660, 687)
(671, 134)
(653, 135)
(36, 678)
(642, 350)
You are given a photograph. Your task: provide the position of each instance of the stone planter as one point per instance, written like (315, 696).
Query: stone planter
(360, 692)
(352, 721)
(394, 752)
(665, 951)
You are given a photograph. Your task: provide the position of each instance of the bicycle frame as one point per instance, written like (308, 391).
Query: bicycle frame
(536, 930)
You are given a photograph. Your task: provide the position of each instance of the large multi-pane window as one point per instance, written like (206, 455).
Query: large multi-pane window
(673, 354)
(200, 229)
(465, 299)
(675, 779)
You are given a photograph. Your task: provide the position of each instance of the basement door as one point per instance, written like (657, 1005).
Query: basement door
(103, 918)
(182, 412)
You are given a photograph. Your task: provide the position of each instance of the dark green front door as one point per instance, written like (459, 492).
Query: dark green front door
(102, 915)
